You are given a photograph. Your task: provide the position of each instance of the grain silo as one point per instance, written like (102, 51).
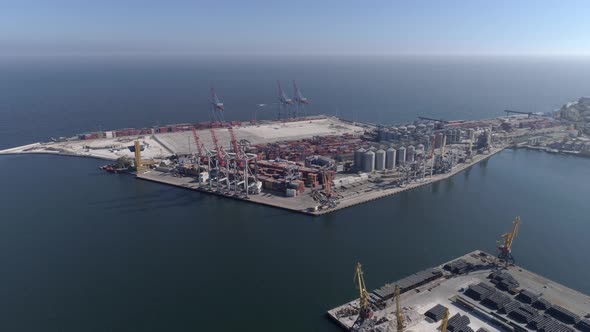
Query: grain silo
(379, 160)
(358, 159)
(401, 155)
(369, 161)
(410, 153)
(390, 158)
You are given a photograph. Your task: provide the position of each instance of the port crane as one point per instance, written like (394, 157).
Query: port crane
(198, 142)
(284, 101)
(505, 246)
(365, 311)
(398, 311)
(300, 100)
(217, 107)
(445, 321)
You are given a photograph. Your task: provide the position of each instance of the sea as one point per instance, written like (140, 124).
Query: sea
(83, 250)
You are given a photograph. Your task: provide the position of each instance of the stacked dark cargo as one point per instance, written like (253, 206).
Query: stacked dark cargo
(460, 266)
(436, 313)
(504, 281)
(459, 323)
(544, 323)
(526, 296)
(409, 283)
(524, 310)
(584, 325)
(563, 314)
(479, 291)
(496, 300)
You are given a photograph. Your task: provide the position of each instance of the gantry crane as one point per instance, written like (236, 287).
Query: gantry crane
(398, 311)
(505, 246)
(364, 308)
(445, 321)
(198, 142)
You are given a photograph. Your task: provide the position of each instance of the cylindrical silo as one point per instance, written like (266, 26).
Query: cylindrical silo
(420, 147)
(379, 160)
(369, 161)
(411, 128)
(401, 155)
(358, 159)
(390, 158)
(410, 153)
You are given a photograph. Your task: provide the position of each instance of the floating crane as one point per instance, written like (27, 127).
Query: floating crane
(505, 246)
(398, 311)
(364, 310)
(445, 321)
(217, 107)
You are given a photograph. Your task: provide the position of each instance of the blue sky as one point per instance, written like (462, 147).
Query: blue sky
(295, 27)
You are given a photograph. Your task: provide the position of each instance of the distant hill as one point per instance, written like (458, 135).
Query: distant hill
(578, 112)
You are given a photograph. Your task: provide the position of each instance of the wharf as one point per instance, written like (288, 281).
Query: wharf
(304, 203)
(493, 298)
(355, 198)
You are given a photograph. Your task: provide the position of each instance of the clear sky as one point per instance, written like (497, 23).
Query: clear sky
(519, 27)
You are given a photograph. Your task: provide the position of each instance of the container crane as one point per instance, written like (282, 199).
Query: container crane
(365, 311)
(505, 246)
(300, 100)
(284, 101)
(234, 143)
(445, 321)
(217, 107)
(398, 311)
(198, 142)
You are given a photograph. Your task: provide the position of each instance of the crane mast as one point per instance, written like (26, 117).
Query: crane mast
(365, 310)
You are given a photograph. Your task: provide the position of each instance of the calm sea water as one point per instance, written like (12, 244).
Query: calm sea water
(82, 250)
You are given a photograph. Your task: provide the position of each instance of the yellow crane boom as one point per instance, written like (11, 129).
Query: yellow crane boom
(445, 321)
(365, 310)
(398, 311)
(505, 248)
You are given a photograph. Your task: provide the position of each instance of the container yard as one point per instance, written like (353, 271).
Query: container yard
(474, 292)
(307, 164)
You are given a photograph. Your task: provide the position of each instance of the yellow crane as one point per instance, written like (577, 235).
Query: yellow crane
(398, 311)
(505, 246)
(138, 166)
(445, 321)
(365, 310)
